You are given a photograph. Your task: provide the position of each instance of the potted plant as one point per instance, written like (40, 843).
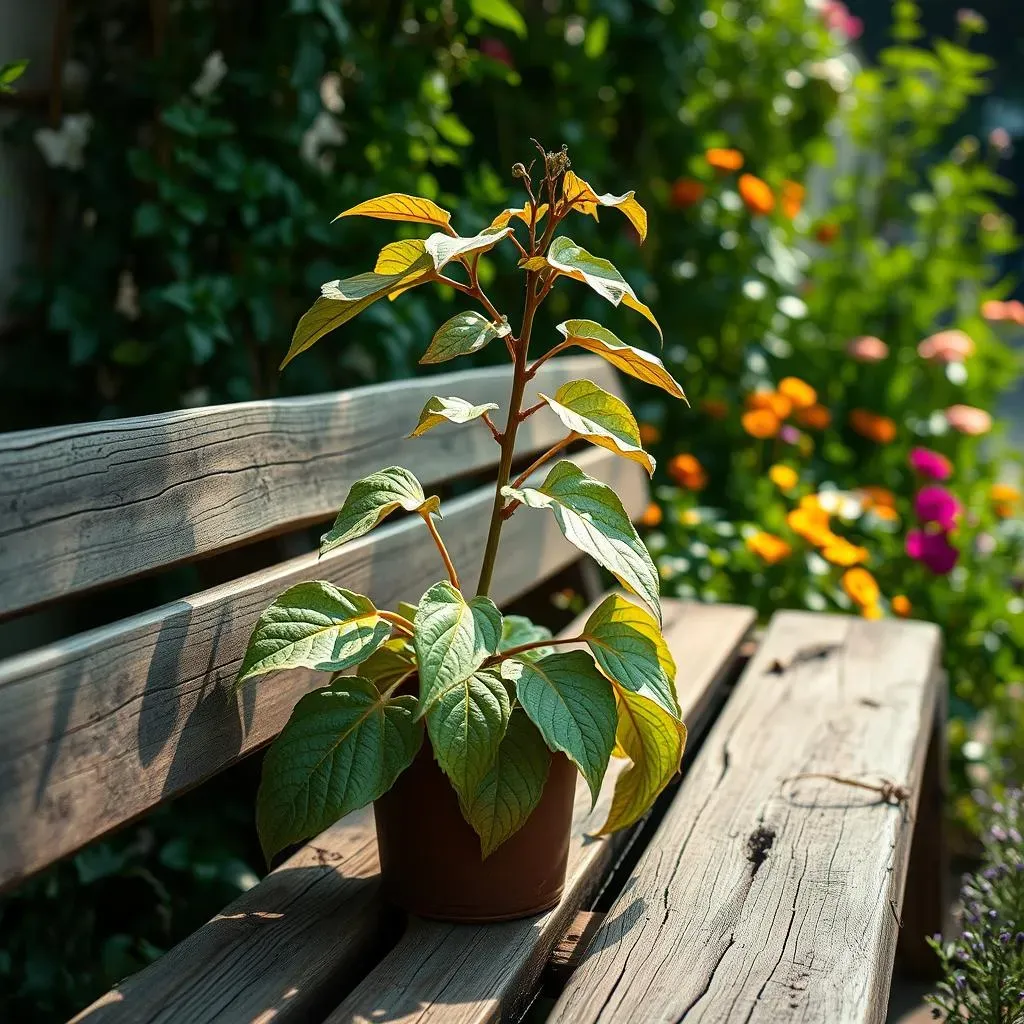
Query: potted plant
(473, 822)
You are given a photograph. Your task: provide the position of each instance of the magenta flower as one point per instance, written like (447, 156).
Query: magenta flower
(935, 504)
(789, 434)
(933, 550)
(931, 464)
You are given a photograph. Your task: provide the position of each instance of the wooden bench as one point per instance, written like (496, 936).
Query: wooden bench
(747, 894)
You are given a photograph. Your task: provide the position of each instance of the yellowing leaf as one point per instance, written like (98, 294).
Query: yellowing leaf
(654, 742)
(397, 257)
(634, 361)
(398, 206)
(448, 410)
(568, 258)
(601, 418)
(533, 263)
(582, 195)
(524, 215)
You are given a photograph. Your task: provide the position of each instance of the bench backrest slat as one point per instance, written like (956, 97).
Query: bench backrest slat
(99, 728)
(91, 504)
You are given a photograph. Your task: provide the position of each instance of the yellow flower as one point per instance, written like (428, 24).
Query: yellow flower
(651, 516)
(812, 524)
(769, 547)
(871, 611)
(861, 587)
(649, 434)
(1005, 498)
(690, 517)
(784, 477)
(901, 605)
(841, 552)
(800, 393)
(756, 194)
(760, 423)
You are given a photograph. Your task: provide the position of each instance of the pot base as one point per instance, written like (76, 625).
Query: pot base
(430, 856)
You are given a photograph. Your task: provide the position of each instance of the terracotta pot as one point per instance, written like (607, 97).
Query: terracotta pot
(430, 856)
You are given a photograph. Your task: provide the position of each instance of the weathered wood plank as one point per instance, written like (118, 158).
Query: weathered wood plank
(288, 949)
(761, 899)
(461, 974)
(97, 729)
(186, 483)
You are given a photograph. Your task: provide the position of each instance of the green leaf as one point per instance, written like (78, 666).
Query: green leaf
(406, 610)
(518, 629)
(398, 206)
(629, 647)
(601, 418)
(453, 638)
(342, 300)
(591, 516)
(451, 410)
(654, 741)
(392, 662)
(501, 13)
(462, 335)
(466, 725)
(634, 361)
(371, 499)
(444, 248)
(573, 706)
(10, 73)
(572, 260)
(314, 625)
(342, 748)
(510, 791)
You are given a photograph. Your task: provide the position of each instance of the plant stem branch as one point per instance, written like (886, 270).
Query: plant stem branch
(400, 622)
(528, 412)
(540, 360)
(531, 646)
(453, 576)
(543, 457)
(495, 432)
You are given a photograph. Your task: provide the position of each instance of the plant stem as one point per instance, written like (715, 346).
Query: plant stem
(541, 459)
(532, 646)
(446, 558)
(400, 622)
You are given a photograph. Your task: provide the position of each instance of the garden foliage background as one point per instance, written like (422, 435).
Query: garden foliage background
(187, 191)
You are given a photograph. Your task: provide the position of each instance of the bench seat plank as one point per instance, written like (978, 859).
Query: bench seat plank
(182, 484)
(461, 974)
(97, 729)
(288, 949)
(762, 899)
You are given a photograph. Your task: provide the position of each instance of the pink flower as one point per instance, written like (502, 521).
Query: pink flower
(999, 140)
(931, 464)
(839, 19)
(933, 550)
(936, 505)
(946, 347)
(968, 420)
(789, 434)
(867, 349)
(1011, 310)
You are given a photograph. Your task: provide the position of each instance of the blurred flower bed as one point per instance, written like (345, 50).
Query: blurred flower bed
(841, 454)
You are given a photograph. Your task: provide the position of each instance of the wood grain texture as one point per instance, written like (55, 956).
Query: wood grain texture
(460, 973)
(186, 483)
(97, 729)
(288, 949)
(765, 900)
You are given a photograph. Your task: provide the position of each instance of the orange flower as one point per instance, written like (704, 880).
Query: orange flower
(792, 198)
(687, 471)
(817, 417)
(842, 552)
(861, 587)
(875, 496)
(756, 194)
(784, 477)
(890, 515)
(715, 408)
(649, 434)
(773, 401)
(812, 524)
(1005, 499)
(686, 192)
(769, 547)
(651, 516)
(761, 423)
(724, 159)
(801, 394)
(901, 606)
(879, 429)
(827, 233)
(871, 611)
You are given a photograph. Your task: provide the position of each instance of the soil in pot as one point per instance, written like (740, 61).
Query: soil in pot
(430, 856)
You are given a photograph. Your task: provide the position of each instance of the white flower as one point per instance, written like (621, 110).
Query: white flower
(65, 146)
(791, 306)
(127, 301)
(834, 71)
(323, 132)
(212, 74)
(330, 92)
